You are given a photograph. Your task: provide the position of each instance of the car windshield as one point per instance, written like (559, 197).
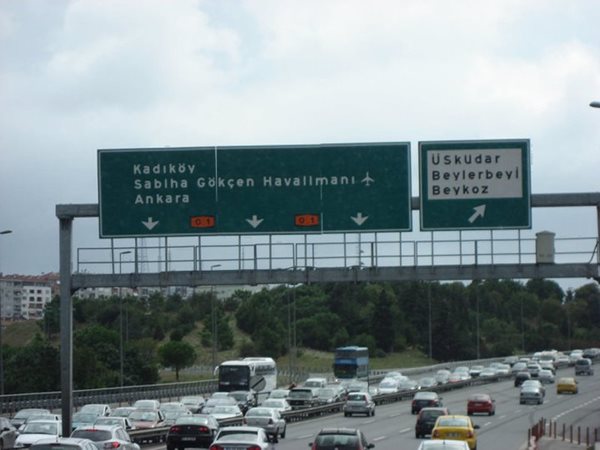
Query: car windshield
(273, 404)
(84, 417)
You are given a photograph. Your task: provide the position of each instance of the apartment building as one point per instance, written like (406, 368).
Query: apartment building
(24, 297)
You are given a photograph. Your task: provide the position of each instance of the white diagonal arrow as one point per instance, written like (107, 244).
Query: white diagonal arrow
(359, 219)
(150, 223)
(255, 221)
(479, 212)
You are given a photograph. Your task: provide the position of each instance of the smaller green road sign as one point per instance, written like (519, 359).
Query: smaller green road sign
(475, 184)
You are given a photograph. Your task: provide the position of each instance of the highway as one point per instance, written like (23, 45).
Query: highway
(392, 427)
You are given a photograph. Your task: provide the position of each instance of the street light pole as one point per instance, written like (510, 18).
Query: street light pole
(1, 342)
(213, 313)
(121, 346)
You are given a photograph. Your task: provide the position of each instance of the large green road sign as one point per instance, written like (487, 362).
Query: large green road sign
(475, 184)
(254, 190)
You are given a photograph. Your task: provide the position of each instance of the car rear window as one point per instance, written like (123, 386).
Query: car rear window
(356, 398)
(431, 414)
(92, 435)
(337, 441)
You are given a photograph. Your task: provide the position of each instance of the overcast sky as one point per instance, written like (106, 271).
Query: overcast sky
(77, 76)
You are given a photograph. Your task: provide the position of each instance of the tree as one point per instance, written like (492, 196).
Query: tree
(177, 355)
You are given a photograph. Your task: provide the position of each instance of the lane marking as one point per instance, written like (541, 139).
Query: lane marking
(405, 430)
(379, 438)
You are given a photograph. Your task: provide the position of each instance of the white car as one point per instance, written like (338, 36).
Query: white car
(280, 404)
(242, 438)
(388, 386)
(546, 376)
(36, 430)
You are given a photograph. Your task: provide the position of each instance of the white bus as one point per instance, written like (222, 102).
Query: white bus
(247, 374)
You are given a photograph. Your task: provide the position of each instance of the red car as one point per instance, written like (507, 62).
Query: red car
(481, 403)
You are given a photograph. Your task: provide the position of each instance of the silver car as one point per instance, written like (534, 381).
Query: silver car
(106, 436)
(243, 438)
(359, 403)
(63, 443)
(269, 419)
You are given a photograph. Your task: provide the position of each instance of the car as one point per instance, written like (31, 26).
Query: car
(147, 404)
(481, 403)
(38, 429)
(519, 366)
(83, 419)
(342, 438)
(315, 383)
(427, 382)
(423, 399)
(591, 353)
(279, 393)
(172, 414)
(170, 406)
(502, 369)
(388, 386)
(8, 433)
(328, 395)
(566, 384)
(534, 369)
(106, 437)
(96, 408)
(195, 431)
(561, 361)
(442, 375)
(456, 427)
(241, 438)
(359, 403)
(546, 376)
(194, 403)
(21, 416)
(475, 370)
(357, 386)
(147, 418)
(426, 419)
(535, 383)
(221, 412)
(583, 366)
(488, 372)
(443, 444)
(510, 360)
(115, 420)
(521, 377)
(547, 365)
(40, 417)
(280, 404)
(531, 394)
(211, 403)
(268, 419)
(411, 385)
(122, 411)
(245, 399)
(63, 443)
(302, 398)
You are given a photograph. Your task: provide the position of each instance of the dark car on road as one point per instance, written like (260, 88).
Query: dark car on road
(195, 431)
(302, 398)
(426, 419)
(520, 377)
(423, 399)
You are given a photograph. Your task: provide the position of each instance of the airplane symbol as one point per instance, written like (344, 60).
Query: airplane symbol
(367, 180)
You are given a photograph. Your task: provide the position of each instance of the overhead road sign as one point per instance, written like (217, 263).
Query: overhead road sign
(475, 184)
(325, 188)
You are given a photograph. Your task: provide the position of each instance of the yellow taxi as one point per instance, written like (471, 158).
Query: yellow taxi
(566, 384)
(458, 428)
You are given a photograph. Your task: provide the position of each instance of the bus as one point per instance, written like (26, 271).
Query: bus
(351, 362)
(255, 374)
